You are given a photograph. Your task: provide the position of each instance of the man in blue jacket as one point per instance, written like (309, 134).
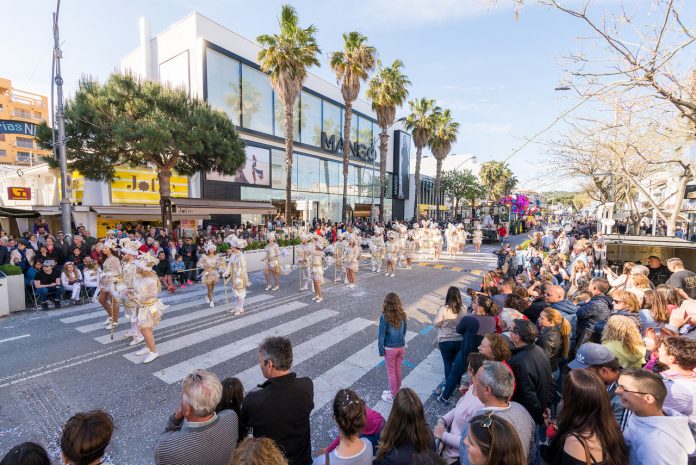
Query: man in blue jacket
(593, 311)
(555, 298)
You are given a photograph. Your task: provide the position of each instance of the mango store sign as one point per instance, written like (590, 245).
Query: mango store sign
(360, 151)
(17, 127)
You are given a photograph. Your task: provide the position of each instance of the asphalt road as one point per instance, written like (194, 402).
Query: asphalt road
(56, 363)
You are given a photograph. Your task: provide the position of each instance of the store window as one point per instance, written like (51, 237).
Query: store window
(308, 174)
(25, 142)
(257, 101)
(311, 120)
(3, 153)
(278, 168)
(332, 177)
(365, 131)
(223, 84)
(332, 119)
(279, 110)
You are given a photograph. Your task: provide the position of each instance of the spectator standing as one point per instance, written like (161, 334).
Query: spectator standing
(195, 434)
(622, 338)
(654, 313)
(280, 409)
(659, 273)
(681, 278)
(493, 441)
(446, 321)
(593, 311)
(554, 338)
(85, 437)
(679, 355)
(391, 342)
(603, 363)
(655, 435)
(555, 298)
(27, 453)
(4, 252)
(587, 431)
(406, 432)
(532, 371)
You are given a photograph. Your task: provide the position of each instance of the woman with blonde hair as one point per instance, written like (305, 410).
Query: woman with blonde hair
(258, 451)
(580, 273)
(654, 313)
(627, 304)
(622, 338)
(639, 284)
(619, 281)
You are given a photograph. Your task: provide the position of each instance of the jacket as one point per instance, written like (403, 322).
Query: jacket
(4, 255)
(532, 371)
(626, 359)
(594, 310)
(569, 311)
(551, 341)
(389, 336)
(280, 411)
(446, 323)
(402, 454)
(681, 392)
(187, 249)
(665, 440)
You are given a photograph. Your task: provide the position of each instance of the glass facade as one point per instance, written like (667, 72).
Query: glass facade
(246, 95)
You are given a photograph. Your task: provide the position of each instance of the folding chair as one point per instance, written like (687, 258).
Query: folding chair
(31, 296)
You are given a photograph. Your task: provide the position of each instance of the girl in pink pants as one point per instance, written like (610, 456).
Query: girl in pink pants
(392, 342)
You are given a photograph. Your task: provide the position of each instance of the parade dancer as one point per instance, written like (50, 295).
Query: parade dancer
(410, 250)
(129, 273)
(352, 259)
(304, 262)
(272, 262)
(317, 265)
(108, 280)
(425, 241)
(452, 240)
(340, 256)
(237, 271)
(392, 250)
(461, 237)
(477, 238)
(376, 247)
(436, 240)
(417, 236)
(211, 265)
(149, 307)
(402, 231)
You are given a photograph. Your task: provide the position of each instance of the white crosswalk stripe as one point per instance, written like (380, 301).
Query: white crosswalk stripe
(176, 372)
(170, 321)
(347, 373)
(252, 376)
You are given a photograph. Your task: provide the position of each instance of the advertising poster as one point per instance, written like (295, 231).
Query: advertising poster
(402, 160)
(256, 170)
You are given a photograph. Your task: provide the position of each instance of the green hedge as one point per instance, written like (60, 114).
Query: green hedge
(11, 270)
(256, 245)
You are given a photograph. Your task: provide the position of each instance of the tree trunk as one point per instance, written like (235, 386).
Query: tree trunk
(681, 190)
(456, 208)
(383, 141)
(416, 194)
(288, 160)
(438, 194)
(164, 178)
(346, 154)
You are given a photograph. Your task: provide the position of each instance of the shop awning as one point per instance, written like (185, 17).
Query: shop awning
(34, 211)
(221, 207)
(144, 212)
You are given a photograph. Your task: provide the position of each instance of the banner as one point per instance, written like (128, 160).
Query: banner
(137, 186)
(256, 170)
(8, 126)
(402, 161)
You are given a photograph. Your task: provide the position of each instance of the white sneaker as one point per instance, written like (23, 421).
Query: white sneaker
(346, 281)
(143, 351)
(337, 280)
(151, 357)
(212, 304)
(387, 397)
(110, 324)
(238, 311)
(373, 269)
(107, 321)
(387, 275)
(392, 275)
(268, 288)
(275, 288)
(136, 341)
(379, 270)
(305, 288)
(207, 299)
(314, 298)
(319, 299)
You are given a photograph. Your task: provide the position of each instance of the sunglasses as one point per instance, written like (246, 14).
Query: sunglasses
(623, 389)
(488, 420)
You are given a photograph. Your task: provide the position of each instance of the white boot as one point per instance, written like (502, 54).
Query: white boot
(207, 299)
(212, 304)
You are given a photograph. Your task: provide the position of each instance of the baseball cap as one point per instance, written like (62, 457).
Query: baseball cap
(591, 354)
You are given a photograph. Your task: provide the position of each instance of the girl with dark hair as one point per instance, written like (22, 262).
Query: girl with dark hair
(492, 440)
(587, 430)
(349, 414)
(406, 432)
(653, 340)
(85, 437)
(446, 321)
(27, 453)
(671, 296)
(391, 342)
(231, 399)
(472, 328)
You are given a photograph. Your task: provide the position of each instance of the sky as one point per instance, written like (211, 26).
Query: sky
(496, 73)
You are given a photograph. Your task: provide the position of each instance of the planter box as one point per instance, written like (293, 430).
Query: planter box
(15, 293)
(255, 258)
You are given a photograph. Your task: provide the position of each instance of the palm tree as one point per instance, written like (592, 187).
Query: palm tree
(444, 134)
(387, 91)
(498, 179)
(351, 66)
(286, 57)
(420, 123)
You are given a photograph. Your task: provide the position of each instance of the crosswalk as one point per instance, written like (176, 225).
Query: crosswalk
(334, 349)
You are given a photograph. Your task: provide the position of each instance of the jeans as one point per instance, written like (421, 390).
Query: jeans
(43, 293)
(455, 375)
(449, 350)
(394, 358)
(190, 275)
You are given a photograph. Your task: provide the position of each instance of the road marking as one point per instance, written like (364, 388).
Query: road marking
(348, 372)
(422, 379)
(176, 372)
(252, 376)
(173, 321)
(14, 338)
(194, 338)
(456, 268)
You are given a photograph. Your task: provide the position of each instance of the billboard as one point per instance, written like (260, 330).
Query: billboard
(255, 171)
(402, 162)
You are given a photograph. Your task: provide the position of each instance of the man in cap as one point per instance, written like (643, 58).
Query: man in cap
(47, 281)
